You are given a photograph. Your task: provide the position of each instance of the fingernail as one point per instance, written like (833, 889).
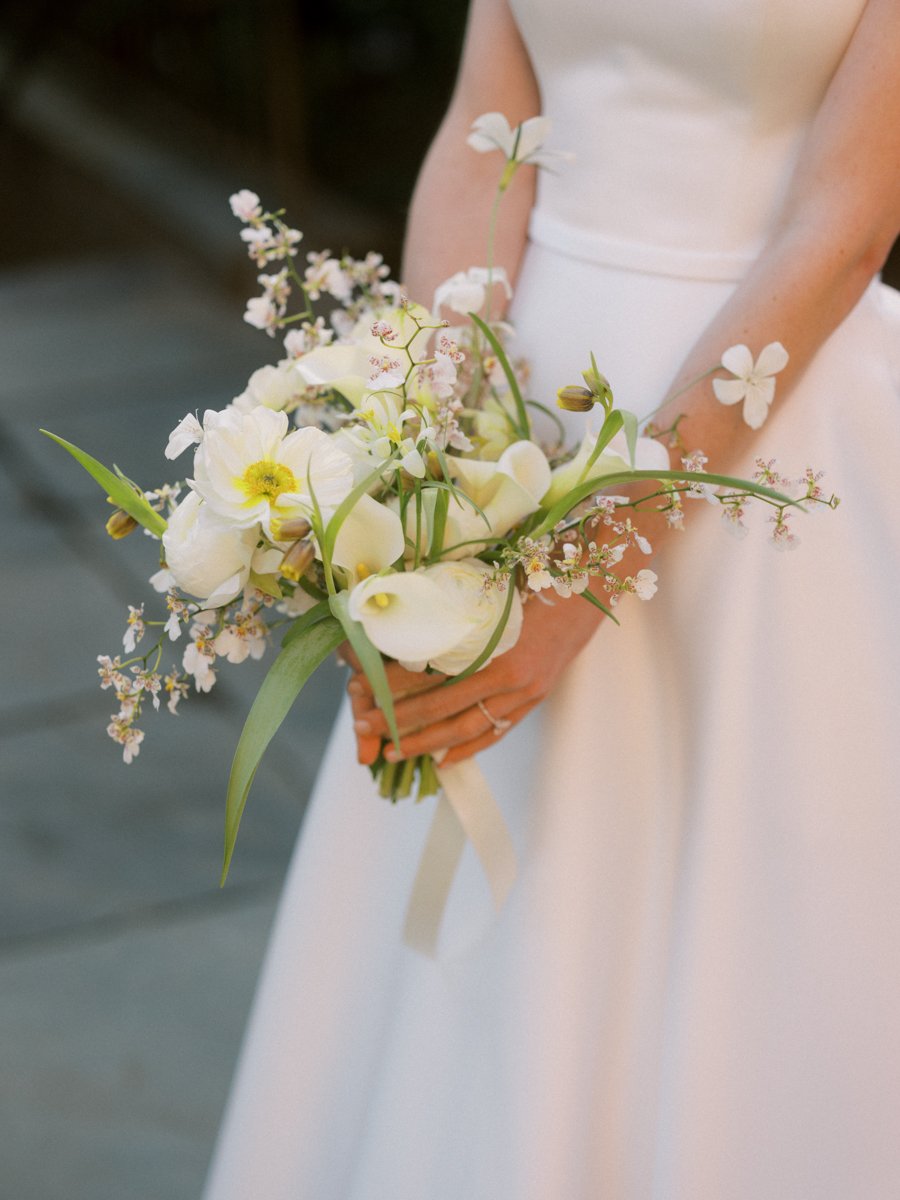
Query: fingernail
(391, 755)
(362, 727)
(355, 688)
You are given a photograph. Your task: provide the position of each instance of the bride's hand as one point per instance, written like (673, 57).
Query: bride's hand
(463, 718)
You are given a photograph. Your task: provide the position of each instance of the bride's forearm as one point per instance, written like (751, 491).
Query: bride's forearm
(798, 292)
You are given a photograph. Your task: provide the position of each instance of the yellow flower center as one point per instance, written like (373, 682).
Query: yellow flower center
(382, 599)
(266, 480)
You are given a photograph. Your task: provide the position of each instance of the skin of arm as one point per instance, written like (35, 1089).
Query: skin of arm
(834, 231)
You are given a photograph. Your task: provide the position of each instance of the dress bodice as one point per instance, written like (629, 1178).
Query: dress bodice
(685, 118)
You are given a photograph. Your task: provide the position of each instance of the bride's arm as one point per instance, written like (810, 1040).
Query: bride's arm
(837, 224)
(449, 214)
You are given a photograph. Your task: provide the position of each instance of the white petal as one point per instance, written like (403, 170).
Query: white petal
(186, 433)
(535, 132)
(419, 620)
(491, 131)
(759, 397)
(371, 535)
(527, 464)
(772, 359)
(738, 360)
(729, 391)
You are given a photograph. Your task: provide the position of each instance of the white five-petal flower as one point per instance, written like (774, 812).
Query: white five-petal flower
(753, 382)
(521, 144)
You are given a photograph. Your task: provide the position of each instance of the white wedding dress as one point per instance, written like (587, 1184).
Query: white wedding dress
(693, 991)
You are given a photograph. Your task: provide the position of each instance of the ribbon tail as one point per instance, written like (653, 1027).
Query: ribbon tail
(466, 810)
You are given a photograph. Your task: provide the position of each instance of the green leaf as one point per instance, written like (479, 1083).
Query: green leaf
(116, 487)
(280, 688)
(312, 616)
(564, 506)
(439, 521)
(523, 428)
(369, 659)
(630, 422)
(493, 640)
(588, 595)
(612, 423)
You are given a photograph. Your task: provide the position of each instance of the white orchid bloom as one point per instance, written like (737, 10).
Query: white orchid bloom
(369, 540)
(207, 557)
(753, 383)
(466, 291)
(408, 616)
(381, 434)
(250, 470)
(649, 455)
(465, 577)
(274, 387)
(245, 205)
(645, 584)
(188, 432)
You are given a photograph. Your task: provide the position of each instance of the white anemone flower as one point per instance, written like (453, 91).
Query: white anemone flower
(649, 455)
(369, 540)
(520, 144)
(753, 383)
(483, 607)
(466, 291)
(250, 470)
(408, 616)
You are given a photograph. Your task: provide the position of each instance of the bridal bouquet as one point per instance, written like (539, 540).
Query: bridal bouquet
(382, 485)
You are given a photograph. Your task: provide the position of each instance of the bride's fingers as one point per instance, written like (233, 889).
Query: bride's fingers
(486, 740)
(401, 682)
(440, 703)
(484, 718)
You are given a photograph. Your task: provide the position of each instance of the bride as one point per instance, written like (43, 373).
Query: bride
(692, 990)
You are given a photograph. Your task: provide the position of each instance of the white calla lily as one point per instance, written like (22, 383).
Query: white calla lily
(484, 608)
(649, 455)
(369, 540)
(408, 616)
(506, 491)
(344, 367)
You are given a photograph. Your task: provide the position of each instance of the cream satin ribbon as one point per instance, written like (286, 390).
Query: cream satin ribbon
(465, 810)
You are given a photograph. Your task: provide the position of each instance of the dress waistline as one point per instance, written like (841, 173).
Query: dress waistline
(591, 246)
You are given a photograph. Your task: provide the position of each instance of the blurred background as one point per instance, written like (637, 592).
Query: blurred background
(125, 973)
